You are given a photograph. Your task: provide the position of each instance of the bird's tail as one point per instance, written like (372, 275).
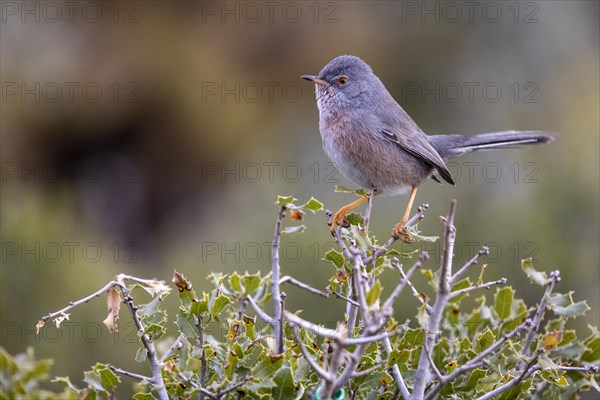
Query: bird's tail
(451, 146)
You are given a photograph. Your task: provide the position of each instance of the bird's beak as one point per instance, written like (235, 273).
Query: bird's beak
(315, 79)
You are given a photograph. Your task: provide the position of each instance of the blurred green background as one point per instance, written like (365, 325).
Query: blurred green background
(142, 137)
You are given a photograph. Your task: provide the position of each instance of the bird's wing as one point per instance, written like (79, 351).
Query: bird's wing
(417, 145)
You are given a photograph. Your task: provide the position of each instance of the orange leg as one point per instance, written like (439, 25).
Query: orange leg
(340, 216)
(399, 231)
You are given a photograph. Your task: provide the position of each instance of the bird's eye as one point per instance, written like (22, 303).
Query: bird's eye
(342, 80)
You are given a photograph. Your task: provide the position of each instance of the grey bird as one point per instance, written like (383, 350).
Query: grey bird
(374, 143)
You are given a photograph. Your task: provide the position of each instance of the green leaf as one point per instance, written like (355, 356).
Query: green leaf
(143, 396)
(335, 257)
(267, 367)
(313, 205)
(485, 340)
(374, 293)
(473, 380)
(285, 200)
(186, 324)
(251, 282)
(535, 276)
(219, 304)
(592, 351)
(236, 282)
(150, 308)
(572, 310)
(462, 284)
(343, 189)
(355, 219)
(108, 378)
(285, 387)
(504, 300)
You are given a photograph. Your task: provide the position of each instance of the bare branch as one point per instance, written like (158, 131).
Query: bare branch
(204, 365)
(484, 251)
(314, 328)
(155, 365)
(405, 277)
(487, 285)
(510, 384)
(396, 371)
(441, 299)
(263, 315)
(411, 286)
(477, 360)
(537, 319)
(74, 304)
(177, 344)
(303, 285)
(320, 371)
(129, 374)
(277, 320)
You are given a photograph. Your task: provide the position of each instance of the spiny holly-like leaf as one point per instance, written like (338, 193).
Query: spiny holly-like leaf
(538, 277)
(343, 189)
(285, 200)
(374, 293)
(186, 324)
(572, 310)
(143, 396)
(313, 205)
(504, 301)
(251, 282)
(285, 387)
(335, 257)
(219, 304)
(267, 366)
(355, 219)
(108, 378)
(236, 282)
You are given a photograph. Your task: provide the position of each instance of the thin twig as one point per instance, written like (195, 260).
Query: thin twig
(204, 365)
(537, 319)
(510, 384)
(441, 299)
(404, 281)
(487, 285)
(277, 320)
(129, 374)
(482, 252)
(368, 371)
(396, 371)
(314, 328)
(434, 367)
(477, 360)
(177, 344)
(259, 311)
(74, 304)
(320, 371)
(302, 285)
(412, 287)
(157, 379)
(348, 300)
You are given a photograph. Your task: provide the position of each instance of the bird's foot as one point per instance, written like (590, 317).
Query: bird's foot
(400, 232)
(339, 218)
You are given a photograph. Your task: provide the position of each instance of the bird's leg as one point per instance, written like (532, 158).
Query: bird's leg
(399, 231)
(339, 218)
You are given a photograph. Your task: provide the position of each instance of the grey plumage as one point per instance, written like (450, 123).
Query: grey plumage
(374, 142)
